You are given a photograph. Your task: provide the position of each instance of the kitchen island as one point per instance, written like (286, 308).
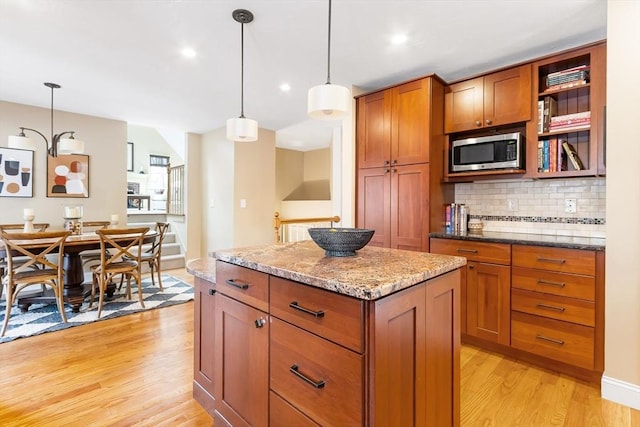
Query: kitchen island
(287, 336)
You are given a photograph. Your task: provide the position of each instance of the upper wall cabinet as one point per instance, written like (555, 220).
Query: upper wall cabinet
(394, 125)
(496, 99)
(566, 136)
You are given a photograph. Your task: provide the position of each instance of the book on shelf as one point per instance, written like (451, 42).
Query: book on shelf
(567, 85)
(550, 109)
(562, 156)
(548, 155)
(569, 70)
(573, 116)
(553, 154)
(575, 121)
(540, 116)
(572, 155)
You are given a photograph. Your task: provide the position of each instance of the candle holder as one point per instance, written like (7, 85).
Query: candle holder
(73, 218)
(28, 222)
(114, 221)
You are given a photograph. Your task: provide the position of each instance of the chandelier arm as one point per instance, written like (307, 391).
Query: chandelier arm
(46, 141)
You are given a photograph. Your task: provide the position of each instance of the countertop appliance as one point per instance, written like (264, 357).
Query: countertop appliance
(500, 151)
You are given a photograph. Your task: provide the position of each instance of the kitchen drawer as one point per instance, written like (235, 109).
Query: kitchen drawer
(555, 307)
(562, 284)
(243, 284)
(321, 379)
(338, 318)
(495, 253)
(555, 259)
(281, 414)
(562, 341)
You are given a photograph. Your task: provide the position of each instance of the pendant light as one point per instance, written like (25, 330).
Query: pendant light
(242, 129)
(328, 101)
(58, 145)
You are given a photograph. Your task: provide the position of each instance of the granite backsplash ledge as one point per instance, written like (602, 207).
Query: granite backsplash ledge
(537, 206)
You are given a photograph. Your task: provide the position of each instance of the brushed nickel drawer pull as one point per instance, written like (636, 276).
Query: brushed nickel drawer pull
(317, 384)
(469, 251)
(550, 307)
(552, 340)
(239, 285)
(549, 283)
(316, 314)
(554, 260)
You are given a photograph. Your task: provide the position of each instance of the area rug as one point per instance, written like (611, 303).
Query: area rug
(43, 318)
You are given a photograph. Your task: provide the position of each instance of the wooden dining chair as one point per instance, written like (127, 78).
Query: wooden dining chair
(154, 253)
(42, 226)
(92, 256)
(43, 252)
(125, 246)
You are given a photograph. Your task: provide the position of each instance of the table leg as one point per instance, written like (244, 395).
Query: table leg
(73, 278)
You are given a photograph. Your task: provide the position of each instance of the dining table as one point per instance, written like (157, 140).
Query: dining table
(75, 290)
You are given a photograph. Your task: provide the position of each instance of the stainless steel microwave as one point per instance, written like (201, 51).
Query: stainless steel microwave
(502, 151)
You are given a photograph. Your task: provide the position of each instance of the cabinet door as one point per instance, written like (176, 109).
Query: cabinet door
(374, 130)
(203, 343)
(488, 301)
(398, 358)
(507, 96)
(410, 207)
(374, 199)
(463, 105)
(410, 123)
(241, 363)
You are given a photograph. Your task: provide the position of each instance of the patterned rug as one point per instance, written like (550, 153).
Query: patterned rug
(43, 318)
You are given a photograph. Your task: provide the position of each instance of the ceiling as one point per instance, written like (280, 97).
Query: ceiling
(121, 59)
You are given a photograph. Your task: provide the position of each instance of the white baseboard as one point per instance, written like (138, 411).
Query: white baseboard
(620, 392)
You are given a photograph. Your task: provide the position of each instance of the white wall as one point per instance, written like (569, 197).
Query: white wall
(622, 325)
(105, 143)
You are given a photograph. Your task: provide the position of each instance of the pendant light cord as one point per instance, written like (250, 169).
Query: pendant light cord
(242, 70)
(51, 115)
(329, 48)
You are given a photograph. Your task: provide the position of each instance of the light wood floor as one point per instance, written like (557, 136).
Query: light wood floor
(137, 370)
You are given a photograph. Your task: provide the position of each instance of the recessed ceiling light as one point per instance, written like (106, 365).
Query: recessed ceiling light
(285, 87)
(399, 39)
(189, 52)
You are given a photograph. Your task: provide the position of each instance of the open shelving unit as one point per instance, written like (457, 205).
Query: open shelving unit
(586, 97)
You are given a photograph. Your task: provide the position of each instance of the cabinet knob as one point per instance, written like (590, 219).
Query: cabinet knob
(488, 121)
(212, 291)
(260, 322)
(394, 162)
(478, 123)
(471, 266)
(386, 162)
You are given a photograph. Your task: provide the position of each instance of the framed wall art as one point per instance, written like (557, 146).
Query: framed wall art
(16, 173)
(68, 176)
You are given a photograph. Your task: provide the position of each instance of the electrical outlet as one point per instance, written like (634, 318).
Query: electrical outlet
(512, 204)
(570, 205)
(243, 203)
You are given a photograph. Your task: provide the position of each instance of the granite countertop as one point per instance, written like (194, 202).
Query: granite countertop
(204, 268)
(371, 274)
(570, 242)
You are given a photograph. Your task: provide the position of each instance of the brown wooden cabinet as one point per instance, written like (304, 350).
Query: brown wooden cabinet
(541, 304)
(203, 343)
(394, 201)
(394, 125)
(557, 305)
(322, 358)
(495, 99)
(487, 302)
(399, 140)
(545, 156)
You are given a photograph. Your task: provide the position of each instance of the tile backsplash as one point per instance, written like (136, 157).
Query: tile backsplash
(537, 206)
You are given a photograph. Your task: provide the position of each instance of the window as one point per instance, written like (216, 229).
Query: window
(155, 160)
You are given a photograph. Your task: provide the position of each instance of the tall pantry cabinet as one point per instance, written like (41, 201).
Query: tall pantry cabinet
(399, 143)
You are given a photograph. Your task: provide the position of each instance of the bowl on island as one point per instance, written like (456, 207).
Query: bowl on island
(341, 242)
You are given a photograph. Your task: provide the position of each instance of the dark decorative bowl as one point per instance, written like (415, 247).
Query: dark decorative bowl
(340, 242)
